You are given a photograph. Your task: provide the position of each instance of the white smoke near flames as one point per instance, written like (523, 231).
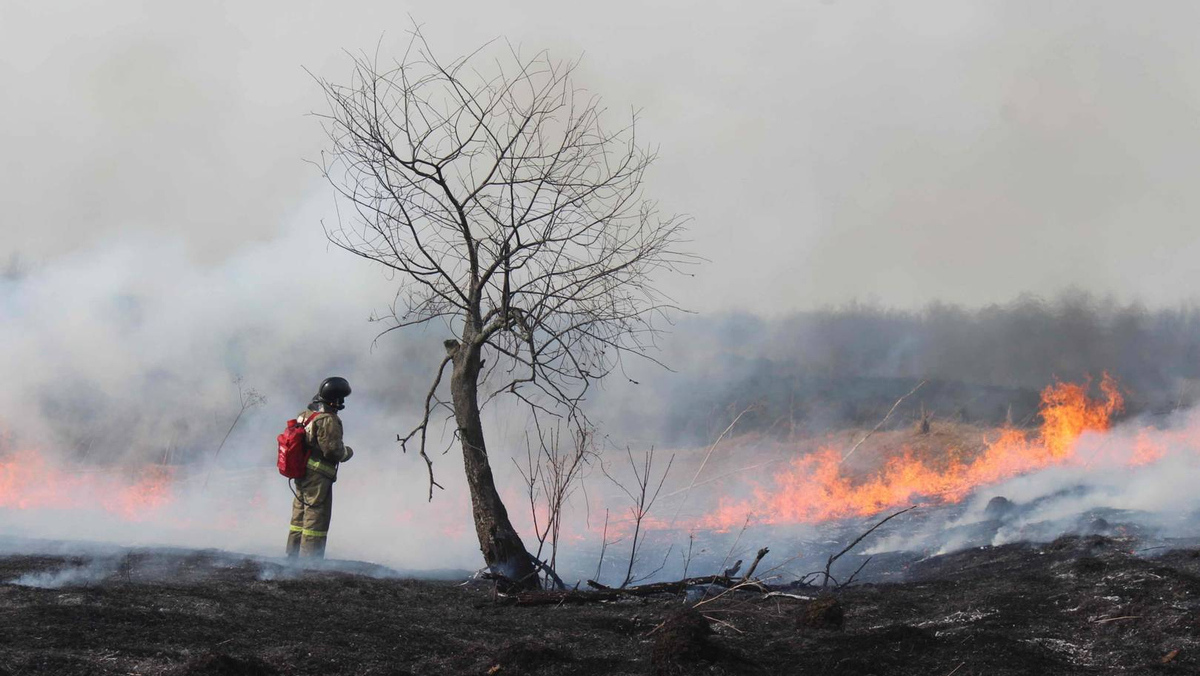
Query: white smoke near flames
(122, 361)
(121, 350)
(125, 360)
(1135, 479)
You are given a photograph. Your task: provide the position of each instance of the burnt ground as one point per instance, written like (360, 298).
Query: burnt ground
(1076, 605)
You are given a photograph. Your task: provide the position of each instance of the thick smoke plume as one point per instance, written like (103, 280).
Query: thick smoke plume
(154, 156)
(127, 362)
(132, 360)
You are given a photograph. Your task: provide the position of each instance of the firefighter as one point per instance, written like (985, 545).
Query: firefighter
(313, 506)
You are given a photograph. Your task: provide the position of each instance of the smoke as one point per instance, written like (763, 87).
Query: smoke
(810, 372)
(125, 364)
(826, 150)
(89, 573)
(78, 564)
(131, 356)
(162, 248)
(1132, 480)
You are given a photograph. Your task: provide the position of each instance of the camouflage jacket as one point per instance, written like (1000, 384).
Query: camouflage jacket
(324, 438)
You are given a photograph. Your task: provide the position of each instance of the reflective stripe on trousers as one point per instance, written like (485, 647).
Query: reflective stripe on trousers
(311, 512)
(308, 532)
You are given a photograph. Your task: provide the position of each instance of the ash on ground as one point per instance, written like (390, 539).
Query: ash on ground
(1079, 604)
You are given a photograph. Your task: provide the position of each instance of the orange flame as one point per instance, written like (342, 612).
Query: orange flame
(816, 487)
(27, 481)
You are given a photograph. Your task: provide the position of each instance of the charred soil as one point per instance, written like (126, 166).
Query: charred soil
(1076, 605)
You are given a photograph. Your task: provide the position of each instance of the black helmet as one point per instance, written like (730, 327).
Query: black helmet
(333, 391)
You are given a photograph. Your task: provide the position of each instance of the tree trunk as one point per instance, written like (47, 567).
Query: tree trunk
(502, 548)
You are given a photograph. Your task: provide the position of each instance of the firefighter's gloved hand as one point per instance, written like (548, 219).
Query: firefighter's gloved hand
(349, 454)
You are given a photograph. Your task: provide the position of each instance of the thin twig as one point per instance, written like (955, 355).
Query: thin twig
(855, 574)
(603, 545)
(1115, 619)
(723, 623)
(687, 491)
(776, 594)
(247, 399)
(885, 419)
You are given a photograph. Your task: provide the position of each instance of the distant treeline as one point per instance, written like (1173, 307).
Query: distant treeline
(848, 365)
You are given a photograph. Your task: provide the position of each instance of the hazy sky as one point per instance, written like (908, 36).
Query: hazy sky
(903, 151)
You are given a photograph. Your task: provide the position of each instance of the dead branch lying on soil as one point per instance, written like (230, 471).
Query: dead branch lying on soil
(601, 592)
(679, 586)
(785, 595)
(543, 566)
(728, 580)
(1117, 619)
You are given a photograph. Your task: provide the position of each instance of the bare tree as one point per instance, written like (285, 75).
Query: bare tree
(643, 495)
(552, 473)
(512, 216)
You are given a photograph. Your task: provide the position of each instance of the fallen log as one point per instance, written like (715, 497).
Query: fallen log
(600, 592)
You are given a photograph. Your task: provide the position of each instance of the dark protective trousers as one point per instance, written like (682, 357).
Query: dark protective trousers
(312, 510)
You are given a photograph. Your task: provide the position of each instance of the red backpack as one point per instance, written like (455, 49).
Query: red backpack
(293, 451)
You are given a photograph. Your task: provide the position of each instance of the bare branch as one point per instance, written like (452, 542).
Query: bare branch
(852, 545)
(885, 419)
(504, 203)
(423, 427)
(247, 399)
(642, 496)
